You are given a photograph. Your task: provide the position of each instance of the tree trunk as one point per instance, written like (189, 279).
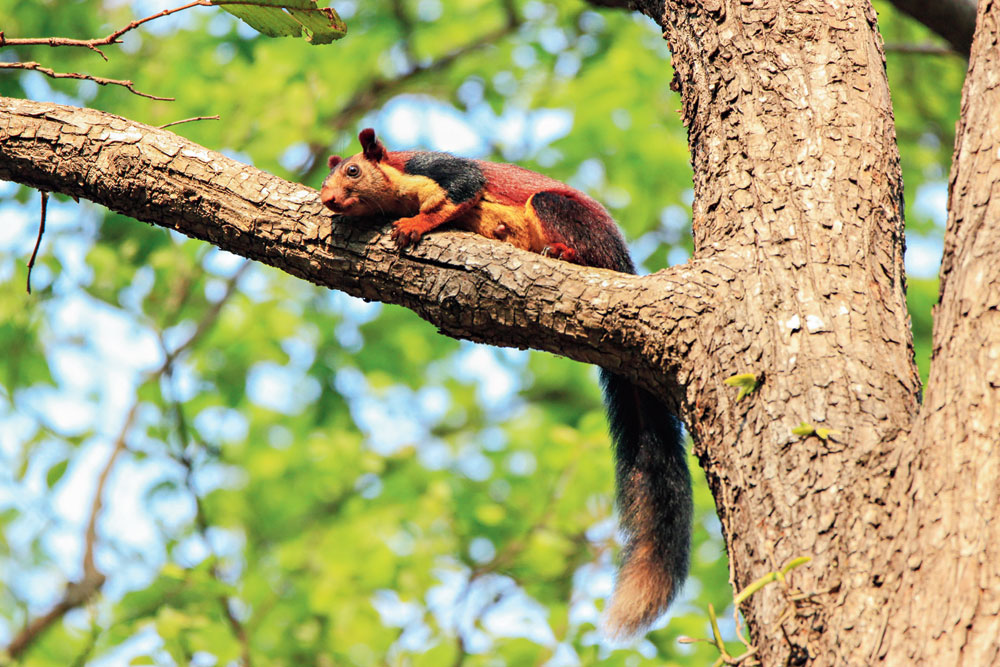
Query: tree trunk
(797, 277)
(944, 588)
(797, 179)
(798, 188)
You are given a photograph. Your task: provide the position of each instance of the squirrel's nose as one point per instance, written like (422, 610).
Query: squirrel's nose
(329, 198)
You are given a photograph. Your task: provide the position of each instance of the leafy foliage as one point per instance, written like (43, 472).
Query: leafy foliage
(289, 18)
(311, 479)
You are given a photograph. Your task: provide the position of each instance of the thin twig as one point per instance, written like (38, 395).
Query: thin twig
(82, 658)
(749, 655)
(366, 98)
(238, 630)
(100, 80)
(38, 241)
(93, 44)
(462, 651)
(89, 567)
(113, 38)
(32, 630)
(926, 49)
(739, 627)
(207, 321)
(189, 120)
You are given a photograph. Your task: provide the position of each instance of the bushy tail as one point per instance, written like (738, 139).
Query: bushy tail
(654, 501)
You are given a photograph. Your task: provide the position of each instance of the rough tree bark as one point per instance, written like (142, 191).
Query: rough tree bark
(944, 587)
(797, 178)
(796, 172)
(797, 276)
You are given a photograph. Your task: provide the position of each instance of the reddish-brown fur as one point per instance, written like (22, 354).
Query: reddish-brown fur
(643, 587)
(502, 211)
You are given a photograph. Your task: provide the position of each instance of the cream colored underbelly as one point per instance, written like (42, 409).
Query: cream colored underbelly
(513, 224)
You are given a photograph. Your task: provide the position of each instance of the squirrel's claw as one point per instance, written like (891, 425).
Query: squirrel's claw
(405, 235)
(559, 251)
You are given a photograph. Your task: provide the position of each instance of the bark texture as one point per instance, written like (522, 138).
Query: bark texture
(797, 181)
(945, 581)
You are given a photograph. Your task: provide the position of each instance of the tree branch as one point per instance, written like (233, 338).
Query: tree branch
(919, 49)
(367, 98)
(78, 592)
(113, 37)
(38, 239)
(94, 44)
(651, 8)
(954, 20)
(469, 287)
(100, 80)
(949, 538)
(189, 120)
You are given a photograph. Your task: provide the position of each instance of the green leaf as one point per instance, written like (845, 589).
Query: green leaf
(804, 429)
(55, 473)
(321, 26)
(442, 654)
(289, 18)
(747, 382)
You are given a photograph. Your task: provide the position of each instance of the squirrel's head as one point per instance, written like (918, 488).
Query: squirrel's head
(357, 185)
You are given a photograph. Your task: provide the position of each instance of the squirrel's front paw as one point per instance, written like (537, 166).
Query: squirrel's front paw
(559, 251)
(407, 231)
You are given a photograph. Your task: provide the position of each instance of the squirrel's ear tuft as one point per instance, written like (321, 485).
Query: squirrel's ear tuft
(371, 147)
(333, 161)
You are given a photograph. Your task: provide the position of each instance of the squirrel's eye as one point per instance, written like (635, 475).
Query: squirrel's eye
(353, 170)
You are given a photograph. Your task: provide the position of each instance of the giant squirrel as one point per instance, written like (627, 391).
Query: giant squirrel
(423, 190)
